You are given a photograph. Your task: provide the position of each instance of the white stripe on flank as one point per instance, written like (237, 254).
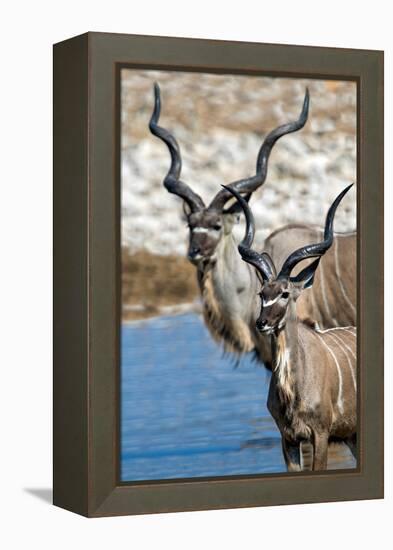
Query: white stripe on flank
(349, 329)
(343, 345)
(338, 273)
(327, 308)
(337, 234)
(315, 309)
(346, 345)
(302, 343)
(340, 378)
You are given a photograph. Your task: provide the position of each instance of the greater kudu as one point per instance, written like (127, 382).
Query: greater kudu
(312, 394)
(227, 285)
(332, 300)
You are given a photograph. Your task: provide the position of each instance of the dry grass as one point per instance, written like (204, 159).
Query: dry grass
(201, 103)
(150, 282)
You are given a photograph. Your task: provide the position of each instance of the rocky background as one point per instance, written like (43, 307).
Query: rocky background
(220, 122)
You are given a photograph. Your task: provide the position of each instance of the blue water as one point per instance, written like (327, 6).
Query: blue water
(187, 411)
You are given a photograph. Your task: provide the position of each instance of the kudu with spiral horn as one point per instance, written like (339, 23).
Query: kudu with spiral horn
(312, 394)
(225, 282)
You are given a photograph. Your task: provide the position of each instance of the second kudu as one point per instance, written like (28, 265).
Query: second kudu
(312, 394)
(227, 284)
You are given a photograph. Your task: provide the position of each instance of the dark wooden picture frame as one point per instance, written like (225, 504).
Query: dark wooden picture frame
(87, 273)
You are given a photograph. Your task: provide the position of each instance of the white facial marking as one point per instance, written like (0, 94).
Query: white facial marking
(270, 302)
(203, 230)
(200, 230)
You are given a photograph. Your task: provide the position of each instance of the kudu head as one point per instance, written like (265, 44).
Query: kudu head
(280, 291)
(208, 224)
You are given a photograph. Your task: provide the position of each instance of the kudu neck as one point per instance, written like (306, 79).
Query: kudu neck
(226, 257)
(290, 329)
(285, 351)
(228, 289)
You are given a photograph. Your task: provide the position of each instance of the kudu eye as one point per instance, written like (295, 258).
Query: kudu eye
(217, 227)
(285, 295)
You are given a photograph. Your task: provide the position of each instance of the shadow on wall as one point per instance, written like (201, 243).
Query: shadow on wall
(46, 495)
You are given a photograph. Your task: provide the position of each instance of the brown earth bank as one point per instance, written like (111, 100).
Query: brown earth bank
(152, 284)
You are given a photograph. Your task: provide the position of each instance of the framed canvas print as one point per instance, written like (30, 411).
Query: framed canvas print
(218, 261)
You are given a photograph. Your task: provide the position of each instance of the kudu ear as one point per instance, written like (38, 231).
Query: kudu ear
(235, 208)
(305, 278)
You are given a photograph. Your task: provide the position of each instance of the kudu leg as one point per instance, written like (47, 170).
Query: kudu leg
(321, 445)
(306, 456)
(291, 455)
